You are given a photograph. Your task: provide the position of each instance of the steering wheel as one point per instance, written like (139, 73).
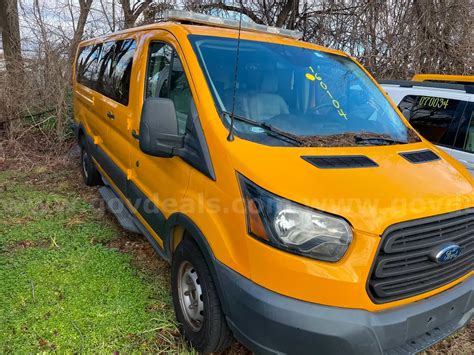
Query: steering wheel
(319, 107)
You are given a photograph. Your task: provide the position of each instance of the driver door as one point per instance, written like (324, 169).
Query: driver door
(157, 184)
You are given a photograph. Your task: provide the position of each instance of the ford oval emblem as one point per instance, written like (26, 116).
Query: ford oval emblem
(446, 253)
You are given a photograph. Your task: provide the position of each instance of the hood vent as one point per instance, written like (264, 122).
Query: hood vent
(341, 161)
(420, 156)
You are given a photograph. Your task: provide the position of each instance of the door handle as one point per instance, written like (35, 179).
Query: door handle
(135, 135)
(111, 115)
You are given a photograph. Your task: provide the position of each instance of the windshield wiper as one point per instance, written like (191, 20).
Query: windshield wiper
(269, 128)
(374, 138)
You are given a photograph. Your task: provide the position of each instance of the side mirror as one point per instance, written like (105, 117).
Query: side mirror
(159, 128)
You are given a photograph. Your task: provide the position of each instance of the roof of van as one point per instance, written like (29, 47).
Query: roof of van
(209, 30)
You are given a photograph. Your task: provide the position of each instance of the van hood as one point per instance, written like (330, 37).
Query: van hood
(370, 198)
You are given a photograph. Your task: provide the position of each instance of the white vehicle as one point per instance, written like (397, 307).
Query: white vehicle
(442, 113)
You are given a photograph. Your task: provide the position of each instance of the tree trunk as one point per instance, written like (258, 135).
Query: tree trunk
(10, 28)
(85, 7)
(288, 14)
(11, 36)
(131, 13)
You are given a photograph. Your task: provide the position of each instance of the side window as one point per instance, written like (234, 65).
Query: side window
(122, 70)
(87, 65)
(180, 93)
(159, 60)
(435, 118)
(469, 145)
(104, 81)
(465, 136)
(108, 70)
(82, 59)
(166, 78)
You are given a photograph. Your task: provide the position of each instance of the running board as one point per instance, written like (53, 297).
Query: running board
(126, 219)
(117, 207)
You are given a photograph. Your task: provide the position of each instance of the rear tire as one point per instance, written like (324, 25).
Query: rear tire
(196, 302)
(89, 172)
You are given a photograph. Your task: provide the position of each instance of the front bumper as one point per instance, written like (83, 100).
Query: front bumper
(267, 322)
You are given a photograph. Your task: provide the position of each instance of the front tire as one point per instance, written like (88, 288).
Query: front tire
(196, 302)
(89, 172)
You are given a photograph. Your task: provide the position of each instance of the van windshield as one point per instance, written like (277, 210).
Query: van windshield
(286, 95)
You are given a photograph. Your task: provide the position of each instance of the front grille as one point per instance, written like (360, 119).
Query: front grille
(403, 266)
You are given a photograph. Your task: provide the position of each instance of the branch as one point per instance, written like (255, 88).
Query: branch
(241, 10)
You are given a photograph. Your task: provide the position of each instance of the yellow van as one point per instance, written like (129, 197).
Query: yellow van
(299, 210)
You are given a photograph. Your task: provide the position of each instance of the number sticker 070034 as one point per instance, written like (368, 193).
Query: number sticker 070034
(433, 102)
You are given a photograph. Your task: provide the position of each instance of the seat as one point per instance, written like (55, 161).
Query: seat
(266, 103)
(260, 104)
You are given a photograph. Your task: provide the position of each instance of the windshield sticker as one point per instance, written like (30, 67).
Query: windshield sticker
(433, 102)
(314, 76)
(257, 130)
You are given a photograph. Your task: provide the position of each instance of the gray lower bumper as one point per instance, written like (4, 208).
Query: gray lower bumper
(268, 322)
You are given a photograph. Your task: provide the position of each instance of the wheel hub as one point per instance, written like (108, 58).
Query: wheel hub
(190, 296)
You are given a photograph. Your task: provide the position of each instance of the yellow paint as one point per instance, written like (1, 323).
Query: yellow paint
(444, 78)
(370, 199)
(97, 140)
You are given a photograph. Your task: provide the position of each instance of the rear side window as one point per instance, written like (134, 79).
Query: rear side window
(107, 68)
(122, 70)
(435, 118)
(104, 82)
(87, 65)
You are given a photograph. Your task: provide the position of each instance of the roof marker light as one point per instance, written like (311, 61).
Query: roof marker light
(187, 16)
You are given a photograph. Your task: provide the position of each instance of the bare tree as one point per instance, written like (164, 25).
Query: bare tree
(11, 35)
(9, 25)
(109, 16)
(84, 10)
(131, 12)
(392, 38)
(154, 12)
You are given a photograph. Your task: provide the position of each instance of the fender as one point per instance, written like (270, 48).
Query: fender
(193, 231)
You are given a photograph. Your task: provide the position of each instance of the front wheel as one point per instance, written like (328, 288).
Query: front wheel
(196, 302)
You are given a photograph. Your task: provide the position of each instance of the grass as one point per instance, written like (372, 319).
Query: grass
(64, 287)
(72, 281)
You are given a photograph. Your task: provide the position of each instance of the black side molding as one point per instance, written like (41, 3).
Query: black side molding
(341, 161)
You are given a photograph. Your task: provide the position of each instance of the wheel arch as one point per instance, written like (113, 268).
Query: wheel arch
(79, 132)
(178, 226)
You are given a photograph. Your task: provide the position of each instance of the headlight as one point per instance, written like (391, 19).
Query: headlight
(293, 227)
